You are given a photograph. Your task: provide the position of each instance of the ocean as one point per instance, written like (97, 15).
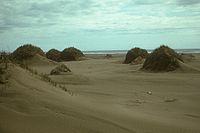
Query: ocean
(149, 51)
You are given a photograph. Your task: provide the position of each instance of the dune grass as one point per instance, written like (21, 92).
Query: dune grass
(134, 53)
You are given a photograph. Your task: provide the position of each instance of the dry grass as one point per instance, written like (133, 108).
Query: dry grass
(4, 74)
(66, 90)
(162, 59)
(25, 52)
(54, 55)
(46, 78)
(71, 54)
(60, 69)
(134, 53)
(108, 56)
(4, 59)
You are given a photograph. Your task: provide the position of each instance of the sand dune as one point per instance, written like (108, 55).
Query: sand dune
(41, 64)
(40, 60)
(109, 97)
(184, 67)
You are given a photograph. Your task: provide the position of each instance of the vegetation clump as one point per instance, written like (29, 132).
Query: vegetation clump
(2, 75)
(134, 53)
(71, 54)
(54, 55)
(108, 56)
(26, 51)
(138, 60)
(61, 69)
(162, 59)
(4, 60)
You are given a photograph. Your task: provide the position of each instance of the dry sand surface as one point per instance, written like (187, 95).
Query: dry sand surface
(108, 97)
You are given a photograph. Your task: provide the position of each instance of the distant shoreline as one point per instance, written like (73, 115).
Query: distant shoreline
(125, 51)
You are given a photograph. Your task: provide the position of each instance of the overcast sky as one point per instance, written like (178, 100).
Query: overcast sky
(99, 24)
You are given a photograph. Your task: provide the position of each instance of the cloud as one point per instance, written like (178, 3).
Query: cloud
(93, 14)
(187, 2)
(50, 18)
(68, 7)
(154, 2)
(24, 14)
(147, 2)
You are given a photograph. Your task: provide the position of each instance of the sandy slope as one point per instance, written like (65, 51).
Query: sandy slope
(109, 97)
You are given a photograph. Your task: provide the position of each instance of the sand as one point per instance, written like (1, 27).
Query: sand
(105, 96)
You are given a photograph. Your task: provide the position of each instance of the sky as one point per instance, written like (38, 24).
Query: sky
(99, 24)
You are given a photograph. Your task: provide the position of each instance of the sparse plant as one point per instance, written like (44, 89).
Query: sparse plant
(1, 71)
(45, 77)
(63, 88)
(23, 64)
(4, 59)
(4, 76)
(60, 69)
(66, 90)
(53, 83)
(108, 56)
(35, 72)
(3, 85)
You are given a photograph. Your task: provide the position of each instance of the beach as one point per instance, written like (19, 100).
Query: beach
(100, 66)
(102, 95)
